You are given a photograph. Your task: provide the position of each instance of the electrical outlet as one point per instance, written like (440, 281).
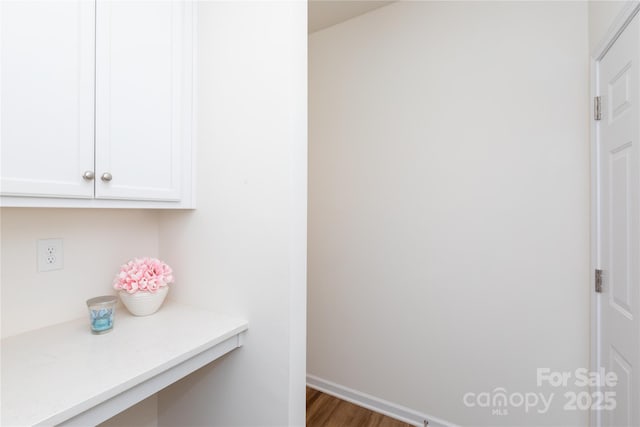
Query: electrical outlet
(50, 255)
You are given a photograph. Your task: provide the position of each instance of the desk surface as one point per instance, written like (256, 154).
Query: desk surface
(52, 374)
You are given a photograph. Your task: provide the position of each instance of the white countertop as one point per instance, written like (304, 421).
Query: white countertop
(50, 375)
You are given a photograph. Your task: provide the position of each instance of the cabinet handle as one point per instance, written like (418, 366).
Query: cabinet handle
(88, 175)
(106, 177)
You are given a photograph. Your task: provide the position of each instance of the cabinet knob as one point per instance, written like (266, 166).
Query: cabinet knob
(106, 177)
(88, 175)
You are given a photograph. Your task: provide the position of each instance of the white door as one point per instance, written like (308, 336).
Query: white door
(143, 104)
(618, 150)
(46, 97)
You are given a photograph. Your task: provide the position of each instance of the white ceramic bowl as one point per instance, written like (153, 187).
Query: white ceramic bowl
(144, 303)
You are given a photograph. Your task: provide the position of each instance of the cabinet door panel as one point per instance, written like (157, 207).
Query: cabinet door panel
(141, 47)
(47, 97)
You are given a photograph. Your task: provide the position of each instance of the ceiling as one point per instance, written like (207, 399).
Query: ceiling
(325, 13)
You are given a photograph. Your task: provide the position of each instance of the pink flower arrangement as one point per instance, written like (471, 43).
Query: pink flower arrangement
(143, 274)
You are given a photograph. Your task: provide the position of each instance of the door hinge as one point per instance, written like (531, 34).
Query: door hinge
(598, 281)
(597, 108)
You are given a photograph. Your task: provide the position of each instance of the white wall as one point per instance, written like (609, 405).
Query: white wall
(242, 251)
(449, 204)
(95, 244)
(601, 16)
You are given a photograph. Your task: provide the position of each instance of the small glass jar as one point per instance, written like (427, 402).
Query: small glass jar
(101, 311)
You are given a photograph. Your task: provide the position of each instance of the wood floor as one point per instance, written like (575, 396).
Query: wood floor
(327, 411)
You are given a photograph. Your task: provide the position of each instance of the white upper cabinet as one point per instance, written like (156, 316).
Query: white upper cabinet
(141, 110)
(46, 97)
(97, 103)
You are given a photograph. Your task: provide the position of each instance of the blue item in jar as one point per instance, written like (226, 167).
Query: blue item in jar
(101, 319)
(101, 313)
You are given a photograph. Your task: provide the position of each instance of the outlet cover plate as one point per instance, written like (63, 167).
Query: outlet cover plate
(50, 255)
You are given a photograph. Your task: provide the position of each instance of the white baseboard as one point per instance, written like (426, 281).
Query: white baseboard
(375, 404)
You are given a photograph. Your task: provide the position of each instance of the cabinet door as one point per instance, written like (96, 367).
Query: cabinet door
(143, 98)
(46, 97)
